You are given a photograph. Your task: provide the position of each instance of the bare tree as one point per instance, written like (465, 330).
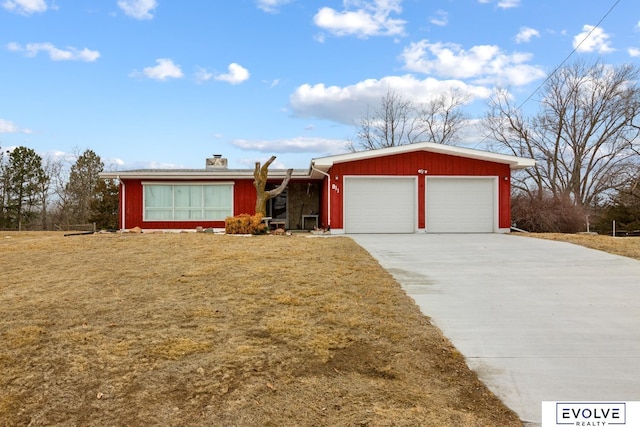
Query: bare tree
(261, 175)
(51, 167)
(581, 136)
(399, 121)
(442, 118)
(389, 125)
(59, 175)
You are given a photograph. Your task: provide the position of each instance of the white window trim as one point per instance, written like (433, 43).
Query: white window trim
(184, 183)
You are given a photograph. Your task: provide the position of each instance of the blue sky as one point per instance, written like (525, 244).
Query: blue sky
(167, 83)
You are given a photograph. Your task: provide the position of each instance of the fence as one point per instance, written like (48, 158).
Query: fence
(76, 227)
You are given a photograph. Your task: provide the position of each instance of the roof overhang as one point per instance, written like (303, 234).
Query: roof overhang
(325, 163)
(320, 166)
(199, 174)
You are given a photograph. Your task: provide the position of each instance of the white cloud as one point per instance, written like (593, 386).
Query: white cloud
(7, 126)
(138, 9)
(634, 52)
(273, 83)
(271, 6)
(25, 7)
(369, 18)
(118, 164)
(237, 74)
(502, 4)
(508, 4)
(56, 54)
(293, 145)
(483, 64)
(165, 69)
(526, 34)
(441, 19)
(348, 104)
(14, 47)
(67, 158)
(113, 163)
(250, 163)
(203, 75)
(592, 39)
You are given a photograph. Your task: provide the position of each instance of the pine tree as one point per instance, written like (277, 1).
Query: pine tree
(104, 205)
(81, 188)
(24, 177)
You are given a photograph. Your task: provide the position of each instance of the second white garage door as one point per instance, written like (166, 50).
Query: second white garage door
(380, 205)
(460, 205)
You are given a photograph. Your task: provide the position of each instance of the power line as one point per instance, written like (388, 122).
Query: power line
(575, 49)
(555, 70)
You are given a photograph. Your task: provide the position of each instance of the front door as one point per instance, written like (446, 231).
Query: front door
(277, 209)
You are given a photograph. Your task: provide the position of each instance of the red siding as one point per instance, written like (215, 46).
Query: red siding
(244, 201)
(504, 201)
(407, 164)
(434, 164)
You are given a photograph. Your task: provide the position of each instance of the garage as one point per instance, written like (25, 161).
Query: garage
(460, 205)
(380, 204)
(412, 188)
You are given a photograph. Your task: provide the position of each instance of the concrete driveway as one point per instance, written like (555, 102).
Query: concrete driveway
(537, 320)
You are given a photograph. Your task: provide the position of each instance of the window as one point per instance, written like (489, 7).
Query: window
(188, 202)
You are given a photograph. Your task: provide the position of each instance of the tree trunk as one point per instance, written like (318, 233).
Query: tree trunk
(260, 175)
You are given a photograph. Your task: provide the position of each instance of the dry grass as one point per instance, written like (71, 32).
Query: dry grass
(625, 246)
(196, 329)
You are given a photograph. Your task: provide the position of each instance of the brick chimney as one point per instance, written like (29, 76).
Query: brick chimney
(217, 162)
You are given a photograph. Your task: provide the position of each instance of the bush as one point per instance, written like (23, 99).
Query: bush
(624, 208)
(626, 217)
(547, 214)
(245, 224)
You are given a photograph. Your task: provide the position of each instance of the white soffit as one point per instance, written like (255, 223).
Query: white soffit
(324, 163)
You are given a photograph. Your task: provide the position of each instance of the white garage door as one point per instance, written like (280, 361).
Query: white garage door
(460, 205)
(380, 205)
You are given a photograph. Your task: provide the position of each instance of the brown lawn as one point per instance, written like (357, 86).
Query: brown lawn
(208, 330)
(625, 246)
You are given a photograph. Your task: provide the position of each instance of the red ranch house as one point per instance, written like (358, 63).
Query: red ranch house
(422, 187)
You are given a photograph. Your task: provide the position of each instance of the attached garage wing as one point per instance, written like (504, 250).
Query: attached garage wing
(461, 205)
(380, 204)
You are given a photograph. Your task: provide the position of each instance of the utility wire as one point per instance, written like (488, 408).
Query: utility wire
(575, 49)
(555, 70)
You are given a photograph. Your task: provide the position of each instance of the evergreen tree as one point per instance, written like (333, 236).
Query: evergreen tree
(24, 177)
(624, 209)
(3, 190)
(104, 205)
(81, 188)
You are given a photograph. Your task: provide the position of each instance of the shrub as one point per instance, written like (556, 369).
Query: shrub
(624, 208)
(245, 224)
(547, 214)
(626, 217)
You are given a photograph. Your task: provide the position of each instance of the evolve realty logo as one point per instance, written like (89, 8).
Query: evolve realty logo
(591, 414)
(585, 414)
